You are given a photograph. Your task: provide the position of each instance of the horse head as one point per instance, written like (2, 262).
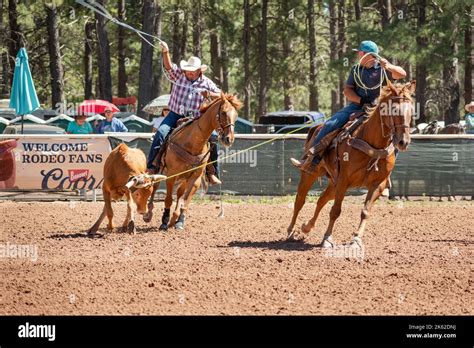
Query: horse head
(396, 111)
(227, 114)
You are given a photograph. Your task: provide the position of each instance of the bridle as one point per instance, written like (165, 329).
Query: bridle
(392, 126)
(221, 128)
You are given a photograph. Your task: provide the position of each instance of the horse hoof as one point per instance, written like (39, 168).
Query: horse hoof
(131, 227)
(356, 243)
(179, 225)
(163, 227)
(305, 228)
(327, 243)
(147, 217)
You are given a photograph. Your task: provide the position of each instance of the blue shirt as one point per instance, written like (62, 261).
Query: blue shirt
(74, 128)
(370, 77)
(113, 126)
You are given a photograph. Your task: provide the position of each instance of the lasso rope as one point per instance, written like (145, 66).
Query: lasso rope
(357, 74)
(101, 10)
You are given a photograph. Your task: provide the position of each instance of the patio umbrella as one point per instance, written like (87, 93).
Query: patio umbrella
(156, 105)
(93, 107)
(23, 96)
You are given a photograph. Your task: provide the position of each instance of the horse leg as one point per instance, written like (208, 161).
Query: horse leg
(168, 203)
(129, 223)
(327, 195)
(340, 192)
(179, 203)
(374, 192)
(188, 196)
(306, 181)
(149, 214)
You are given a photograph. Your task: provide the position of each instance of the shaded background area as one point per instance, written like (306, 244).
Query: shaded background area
(433, 166)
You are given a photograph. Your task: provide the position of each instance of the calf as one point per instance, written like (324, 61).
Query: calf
(124, 175)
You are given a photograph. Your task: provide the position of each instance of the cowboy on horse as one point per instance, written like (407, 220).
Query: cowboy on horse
(360, 95)
(190, 88)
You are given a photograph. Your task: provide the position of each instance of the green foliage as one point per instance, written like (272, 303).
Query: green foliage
(286, 23)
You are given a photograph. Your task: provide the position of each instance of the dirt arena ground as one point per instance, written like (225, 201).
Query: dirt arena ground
(418, 259)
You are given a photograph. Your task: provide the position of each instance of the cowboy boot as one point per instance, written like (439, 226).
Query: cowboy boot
(213, 180)
(298, 163)
(211, 175)
(310, 165)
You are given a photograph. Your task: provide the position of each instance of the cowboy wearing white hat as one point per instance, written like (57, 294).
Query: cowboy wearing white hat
(190, 87)
(193, 64)
(469, 117)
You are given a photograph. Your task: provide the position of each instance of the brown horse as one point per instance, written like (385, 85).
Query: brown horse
(349, 167)
(188, 148)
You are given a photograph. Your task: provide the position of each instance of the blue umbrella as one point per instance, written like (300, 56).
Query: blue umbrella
(23, 96)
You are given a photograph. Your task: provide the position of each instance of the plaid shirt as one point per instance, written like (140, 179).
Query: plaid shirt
(186, 95)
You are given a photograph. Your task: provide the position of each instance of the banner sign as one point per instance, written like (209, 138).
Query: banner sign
(55, 163)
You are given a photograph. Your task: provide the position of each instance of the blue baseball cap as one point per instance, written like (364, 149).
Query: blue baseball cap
(367, 47)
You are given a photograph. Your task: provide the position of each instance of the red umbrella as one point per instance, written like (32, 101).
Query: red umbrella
(93, 107)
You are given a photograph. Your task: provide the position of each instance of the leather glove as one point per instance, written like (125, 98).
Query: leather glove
(365, 100)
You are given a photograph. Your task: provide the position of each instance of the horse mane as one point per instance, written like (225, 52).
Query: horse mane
(231, 99)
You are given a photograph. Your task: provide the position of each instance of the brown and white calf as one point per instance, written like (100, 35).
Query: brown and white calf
(124, 175)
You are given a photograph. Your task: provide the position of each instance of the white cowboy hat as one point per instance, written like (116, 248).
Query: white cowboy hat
(470, 105)
(193, 64)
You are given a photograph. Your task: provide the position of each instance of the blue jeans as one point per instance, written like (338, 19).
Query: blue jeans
(166, 126)
(337, 120)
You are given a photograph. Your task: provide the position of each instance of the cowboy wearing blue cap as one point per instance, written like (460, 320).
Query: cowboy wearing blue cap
(369, 72)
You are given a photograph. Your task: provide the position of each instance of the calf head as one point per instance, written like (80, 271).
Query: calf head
(141, 187)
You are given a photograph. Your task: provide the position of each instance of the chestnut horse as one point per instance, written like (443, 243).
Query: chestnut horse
(187, 148)
(384, 129)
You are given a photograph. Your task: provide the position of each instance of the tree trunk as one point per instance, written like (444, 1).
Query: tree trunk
(16, 36)
(333, 53)
(385, 8)
(184, 35)
(197, 28)
(159, 69)
(246, 42)
(5, 83)
(88, 49)
(103, 59)
(145, 88)
(341, 37)
(313, 69)
(468, 71)
(176, 38)
(216, 58)
(262, 57)
(421, 75)
(357, 9)
(225, 68)
(121, 50)
(451, 76)
(286, 55)
(55, 63)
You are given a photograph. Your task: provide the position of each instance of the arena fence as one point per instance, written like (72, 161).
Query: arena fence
(438, 165)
